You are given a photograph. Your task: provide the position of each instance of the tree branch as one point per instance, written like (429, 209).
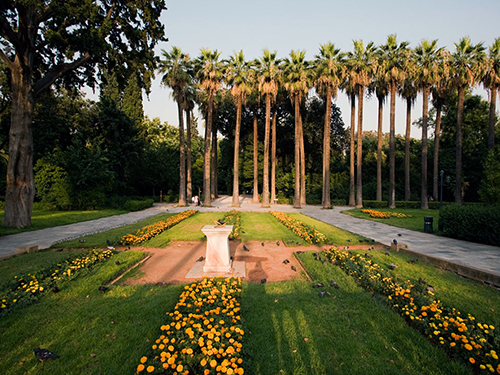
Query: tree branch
(58, 71)
(8, 33)
(6, 60)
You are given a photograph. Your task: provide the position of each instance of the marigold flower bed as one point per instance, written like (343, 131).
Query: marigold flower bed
(384, 215)
(461, 336)
(27, 289)
(304, 231)
(203, 334)
(233, 218)
(146, 233)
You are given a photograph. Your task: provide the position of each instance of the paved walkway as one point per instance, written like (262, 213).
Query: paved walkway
(475, 256)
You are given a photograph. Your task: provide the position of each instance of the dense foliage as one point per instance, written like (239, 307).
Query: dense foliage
(474, 223)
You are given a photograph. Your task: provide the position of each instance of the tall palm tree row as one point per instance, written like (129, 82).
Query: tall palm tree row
(393, 65)
(387, 70)
(466, 65)
(175, 67)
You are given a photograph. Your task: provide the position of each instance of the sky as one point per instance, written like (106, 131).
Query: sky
(285, 25)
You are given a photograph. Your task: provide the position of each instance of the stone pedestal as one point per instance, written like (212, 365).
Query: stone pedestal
(217, 258)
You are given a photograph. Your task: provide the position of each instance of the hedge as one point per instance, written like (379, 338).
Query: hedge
(137, 205)
(475, 223)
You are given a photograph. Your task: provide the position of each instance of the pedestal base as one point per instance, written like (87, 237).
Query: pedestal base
(197, 271)
(217, 258)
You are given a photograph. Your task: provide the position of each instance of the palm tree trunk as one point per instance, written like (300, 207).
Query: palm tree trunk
(392, 149)
(255, 161)
(265, 179)
(352, 196)
(458, 161)
(20, 179)
(359, 156)
(296, 198)
(273, 156)
(213, 170)
(182, 158)
(189, 186)
(326, 150)
(236, 165)
(437, 133)
(379, 148)
(206, 155)
(491, 128)
(424, 204)
(407, 150)
(302, 164)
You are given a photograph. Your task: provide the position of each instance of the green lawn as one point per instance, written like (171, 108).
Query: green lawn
(416, 222)
(49, 219)
(289, 329)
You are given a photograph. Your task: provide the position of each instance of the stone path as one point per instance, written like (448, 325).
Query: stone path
(462, 254)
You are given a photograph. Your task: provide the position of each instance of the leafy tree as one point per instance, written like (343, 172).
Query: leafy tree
(490, 185)
(491, 80)
(47, 41)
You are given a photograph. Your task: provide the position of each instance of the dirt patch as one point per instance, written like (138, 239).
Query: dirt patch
(263, 260)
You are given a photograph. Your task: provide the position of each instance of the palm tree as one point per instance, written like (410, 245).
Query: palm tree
(268, 67)
(465, 63)
(379, 86)
(491, 81)
(236, 76)
(297, 84)
(329, 75)
(409, 92)
(176, 76)
(360, 68)
(189, 96)
(394, 57)
(209, 74)
(427, 74)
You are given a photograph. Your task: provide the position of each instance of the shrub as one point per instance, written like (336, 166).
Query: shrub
(137, 205)
(490, 185)
(474, 223)
(52, 184)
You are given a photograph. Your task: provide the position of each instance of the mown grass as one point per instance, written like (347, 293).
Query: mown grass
(49, 219)
(113, 235)
(416, 222)
(335, 236)
(346, 332)
(263, 227)
(468, 296)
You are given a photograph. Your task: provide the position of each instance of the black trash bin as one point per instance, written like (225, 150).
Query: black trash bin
(428, 220)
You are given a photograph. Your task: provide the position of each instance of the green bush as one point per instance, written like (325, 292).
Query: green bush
(401, 204)
(490, 185)
(476, 223)
(137, 205)
(2, 205)
(52, 184)
(338, 202)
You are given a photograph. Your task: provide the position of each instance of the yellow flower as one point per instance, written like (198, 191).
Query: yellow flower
(144, 359)
(140, 368)
(150, 369)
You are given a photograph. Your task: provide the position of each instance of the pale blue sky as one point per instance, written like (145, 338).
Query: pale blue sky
(284, 25)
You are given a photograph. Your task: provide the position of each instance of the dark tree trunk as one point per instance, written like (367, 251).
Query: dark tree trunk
(265, 176)
(236, 165)
(213, 164)
(352, 194)
(255, 161)
(359, 155)
(458, 161)
(437, 133)
(182, 158)
(392, 149)
(326, 150)
(273, 157)
(407, 150)
(491, 128)
(302, 163)
(424, 204)
(206, 155)
(296, 197)
(189, 182)
(20, 180)
(379, 148)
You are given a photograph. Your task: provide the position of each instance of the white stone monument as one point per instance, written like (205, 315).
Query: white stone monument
(217, 258)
